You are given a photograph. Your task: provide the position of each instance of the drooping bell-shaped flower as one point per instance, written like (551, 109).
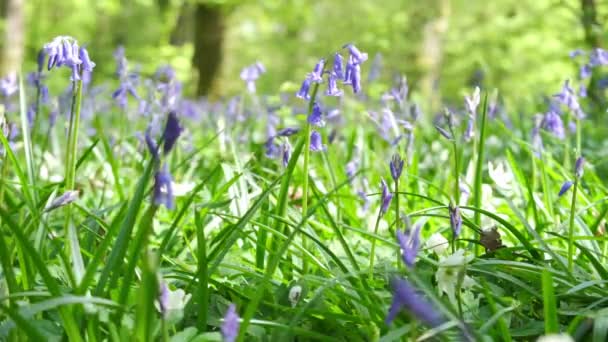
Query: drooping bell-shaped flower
(455, 219)
(172, 131)
(337, 68)
(387, 196)
(565, 187)
(163, 188)
(396, 166)
(316, 117)
(358, 56)
(304, 89)
(231, 324)
(317, 74)
(409, 243)
(406, 297)
(579, 167)
(332, 86)
(316, 142)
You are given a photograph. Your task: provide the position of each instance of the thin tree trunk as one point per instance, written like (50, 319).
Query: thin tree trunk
(11, 50)
(590, 24)
(208, 41)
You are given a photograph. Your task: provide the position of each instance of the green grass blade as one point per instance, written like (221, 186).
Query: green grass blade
(549, 304)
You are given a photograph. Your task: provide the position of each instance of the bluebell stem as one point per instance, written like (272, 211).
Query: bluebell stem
(317, 74)
(455, 219)
(231, 324)
(316, 142)
(304, 89)
(287, 132)
(286, 153)
(387, 196)
(163, 189)
(396, 166)
(172, 131)
(565, 187)
(337, 68)
(409, 243)
(579, 167)
(406, 297)
(316, 116)
(332, 86)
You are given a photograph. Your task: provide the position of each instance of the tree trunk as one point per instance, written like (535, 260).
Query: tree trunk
(11, 49)
(590, 23)
(208, 41)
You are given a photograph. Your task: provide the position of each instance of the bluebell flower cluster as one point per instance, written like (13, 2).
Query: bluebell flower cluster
(406, 297)
(127, 80)
(409, 242)
(65, 51)
(251, 73)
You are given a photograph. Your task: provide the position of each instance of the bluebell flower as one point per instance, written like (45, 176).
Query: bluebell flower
(40, 60)
(332, 86)
(317, 74)
(585, 71)
(121, 61)
(355, 78)
(151, 144)
(472, 102)
(316, 117)
(406, 297)
(316, 142)
(357, 56)
(163, 189)
(553, 123)
(251, 73)
(582, 91)
(287, 132)
(231, 324)
(469, 133)
(286, 153)
(337, 69)
(579, 167)
(575, 53)
(396, 166)
(9, 85)
(568, 98)
(163, 298)
(172, 131)
(272, 149)
(304, 89)
(598, 57)
(348, 71)
(87, 63)
(455, 219)
(409, 243)
(66, 198)
(352, 168)
(443, 132)
(565, 187)
(387, 196)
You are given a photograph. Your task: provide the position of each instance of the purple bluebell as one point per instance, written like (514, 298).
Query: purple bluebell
(355, 78)
(332, 86)
(348, 71)
(287, 132)
(9, 85)
(443, 132)
(406, 297)
(582, 91)
(553, 123)
(272, 149)
(317, 74)
(304, 89)
(358, 57)
(455, 219)
(163, 188)
(231, 324)
(567, 97)
(40, 60)
(352, 168)
(121, 61)
(565, 187)
(585, 71)
(163, 298)
(87, 63)
(316, 117)
(598, 57)
(316, 142)
(172, 131)
(66, 198)
(337, 68)
(469, 133)
(366, 201)
(387, 196)
(396, 166)
(251, 73)
(286, 154)
(472, 102)
(579, 167)
(409, 243)
(151, 144)
(575, 53)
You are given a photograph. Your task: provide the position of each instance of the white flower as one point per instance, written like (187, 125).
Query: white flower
(437, 243)
(555, 338)
(182, 189)
(451, 272)
(294, 295)
(501, 175)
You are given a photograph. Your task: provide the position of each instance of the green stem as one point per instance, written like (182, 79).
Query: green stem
(571, 228)
(398, 223)
(307, 131)
(478, 172)
(372, 252)
(456, 174)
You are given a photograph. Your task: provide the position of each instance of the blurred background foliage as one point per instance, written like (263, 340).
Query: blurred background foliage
(443, 46)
